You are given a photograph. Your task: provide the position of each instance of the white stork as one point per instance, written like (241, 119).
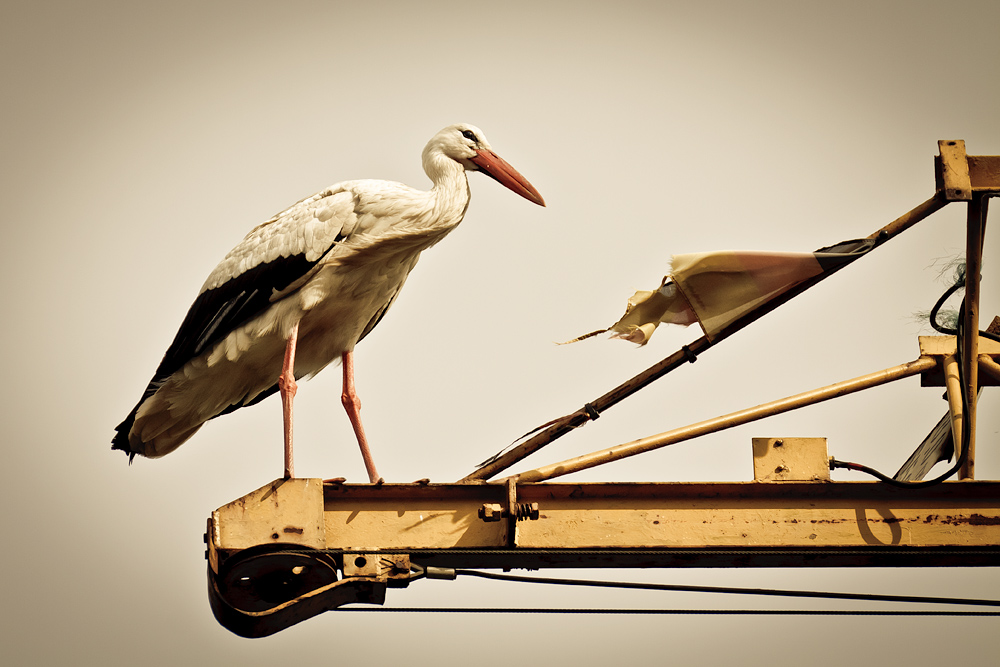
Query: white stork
(300, 291)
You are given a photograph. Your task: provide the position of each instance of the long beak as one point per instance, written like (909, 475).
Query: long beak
(497, 168)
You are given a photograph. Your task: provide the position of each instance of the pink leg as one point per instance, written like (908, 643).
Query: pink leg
(288, 387)
(353, 406)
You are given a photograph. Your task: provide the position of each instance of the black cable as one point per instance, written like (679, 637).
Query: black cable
(674, 612)
(871, 597)
(958, 332)
(959, 284)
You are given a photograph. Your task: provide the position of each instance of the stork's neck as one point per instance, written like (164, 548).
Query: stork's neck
(451, 187)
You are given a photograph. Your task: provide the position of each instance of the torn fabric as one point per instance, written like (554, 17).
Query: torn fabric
(717, 288)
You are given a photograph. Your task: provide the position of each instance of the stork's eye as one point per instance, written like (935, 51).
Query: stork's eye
(470, 135)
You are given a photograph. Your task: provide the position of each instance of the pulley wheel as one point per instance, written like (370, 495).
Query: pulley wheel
(260, 581)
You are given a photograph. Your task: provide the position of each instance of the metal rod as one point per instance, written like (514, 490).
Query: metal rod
(976, 221)
(954, 393)
(563, 425)
(910, 218)
(560, 427)
(990, 367)
(920, 365)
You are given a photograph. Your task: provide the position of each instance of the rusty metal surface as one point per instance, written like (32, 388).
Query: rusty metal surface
(676, 515)
(683, 515)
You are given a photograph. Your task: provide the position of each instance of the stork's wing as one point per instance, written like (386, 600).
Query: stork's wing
(270, 258)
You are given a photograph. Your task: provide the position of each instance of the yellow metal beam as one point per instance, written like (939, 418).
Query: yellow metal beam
(633, 516)
(370, 538)
(447, 523)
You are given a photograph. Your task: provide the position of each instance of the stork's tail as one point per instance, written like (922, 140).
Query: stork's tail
(158, 433)
(120, 440)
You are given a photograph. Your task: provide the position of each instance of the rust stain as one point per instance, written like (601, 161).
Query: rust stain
(971, 520)
(292, 529)
(980, 520)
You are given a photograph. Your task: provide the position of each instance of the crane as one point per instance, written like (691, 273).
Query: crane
(295, 548)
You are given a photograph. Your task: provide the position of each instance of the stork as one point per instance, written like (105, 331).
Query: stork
(300, 291)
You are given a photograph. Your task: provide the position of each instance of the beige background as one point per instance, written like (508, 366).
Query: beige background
(140, 141)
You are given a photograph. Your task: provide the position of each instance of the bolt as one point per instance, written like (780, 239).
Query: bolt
(490, 512)
(527, 511)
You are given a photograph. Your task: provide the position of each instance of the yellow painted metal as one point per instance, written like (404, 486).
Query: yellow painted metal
(416, 520)
(976, 223)
(650, 443)
(954, 387)
(438, 518)
(955, 170)
(749, 514)
(259, 589)
(790, 460)
(940, 347)
(984, 173)
(285, 512)
(990, 367)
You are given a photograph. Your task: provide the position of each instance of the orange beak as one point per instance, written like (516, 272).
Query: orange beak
(497, 168)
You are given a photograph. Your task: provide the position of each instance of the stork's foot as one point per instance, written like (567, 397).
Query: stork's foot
(337, 481)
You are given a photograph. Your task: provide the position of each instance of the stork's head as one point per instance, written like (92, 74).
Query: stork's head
(466, 145)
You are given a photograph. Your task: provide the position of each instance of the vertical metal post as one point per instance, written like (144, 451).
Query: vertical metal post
(976, 223)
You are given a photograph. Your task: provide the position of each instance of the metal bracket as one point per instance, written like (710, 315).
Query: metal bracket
(953, 170)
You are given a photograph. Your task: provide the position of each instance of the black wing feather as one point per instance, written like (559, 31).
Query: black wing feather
(217, 312)
(213, 316)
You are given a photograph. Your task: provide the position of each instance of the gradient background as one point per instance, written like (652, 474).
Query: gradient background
(140, 141)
